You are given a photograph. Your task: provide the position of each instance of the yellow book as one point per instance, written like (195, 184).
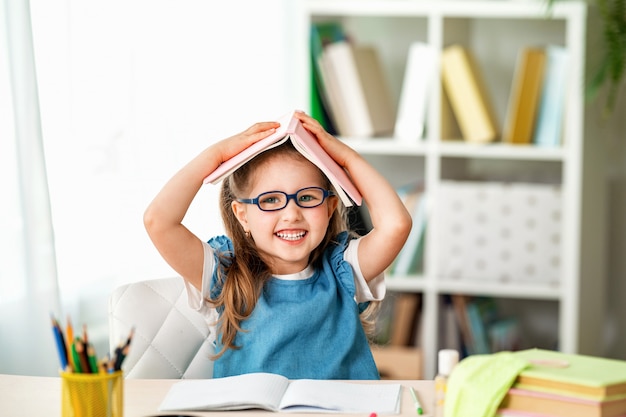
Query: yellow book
(525, 96)
(572, 374)
(540, 403)
(469, 98)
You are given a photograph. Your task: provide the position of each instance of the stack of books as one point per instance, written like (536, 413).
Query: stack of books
(566, 385)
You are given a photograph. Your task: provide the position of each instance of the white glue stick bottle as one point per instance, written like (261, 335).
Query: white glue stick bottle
(446, 361)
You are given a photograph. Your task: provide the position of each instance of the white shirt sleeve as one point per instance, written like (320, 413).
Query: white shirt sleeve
(373, 290)
(198, 299)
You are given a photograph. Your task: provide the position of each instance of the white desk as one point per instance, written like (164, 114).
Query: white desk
(29, 396)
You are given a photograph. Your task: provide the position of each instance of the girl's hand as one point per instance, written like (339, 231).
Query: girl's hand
(229, 147)
(337, 150)
(390, 219)
(163, 218)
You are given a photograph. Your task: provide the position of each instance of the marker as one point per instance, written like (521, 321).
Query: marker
(418, 406)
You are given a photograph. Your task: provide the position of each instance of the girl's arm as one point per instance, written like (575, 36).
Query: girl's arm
(390, 219)
(180, 248)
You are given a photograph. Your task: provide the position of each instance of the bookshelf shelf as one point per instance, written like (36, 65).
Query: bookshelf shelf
(521, 291)
(495, 31)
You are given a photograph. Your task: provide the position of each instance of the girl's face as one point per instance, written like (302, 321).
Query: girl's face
(285, 238)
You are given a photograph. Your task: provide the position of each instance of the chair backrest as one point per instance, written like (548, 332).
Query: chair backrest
(170, 339)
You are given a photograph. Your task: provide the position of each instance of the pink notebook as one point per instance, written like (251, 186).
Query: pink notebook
(291, 129)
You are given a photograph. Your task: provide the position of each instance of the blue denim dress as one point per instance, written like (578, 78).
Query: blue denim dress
(306, 328)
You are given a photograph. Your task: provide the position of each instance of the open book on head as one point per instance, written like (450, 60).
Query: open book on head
(276, 393)
(291, 129)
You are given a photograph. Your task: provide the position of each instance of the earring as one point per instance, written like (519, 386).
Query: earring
(247, 233)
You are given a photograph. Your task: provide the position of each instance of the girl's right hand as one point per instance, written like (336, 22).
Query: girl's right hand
(229, 147)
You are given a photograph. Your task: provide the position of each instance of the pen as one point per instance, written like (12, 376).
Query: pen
(418, 406)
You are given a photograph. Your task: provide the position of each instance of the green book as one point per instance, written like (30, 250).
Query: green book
(572, 374)
(322, 33)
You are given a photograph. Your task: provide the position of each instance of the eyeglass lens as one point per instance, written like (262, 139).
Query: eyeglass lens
(276, 200)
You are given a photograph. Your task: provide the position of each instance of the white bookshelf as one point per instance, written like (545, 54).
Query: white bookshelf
(494, 31)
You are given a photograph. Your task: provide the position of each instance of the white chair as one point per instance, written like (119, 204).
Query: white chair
(170, 339)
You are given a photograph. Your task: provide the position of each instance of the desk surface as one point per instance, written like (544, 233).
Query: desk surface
(30, 396)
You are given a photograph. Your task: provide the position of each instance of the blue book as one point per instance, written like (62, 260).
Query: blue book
(550, 118)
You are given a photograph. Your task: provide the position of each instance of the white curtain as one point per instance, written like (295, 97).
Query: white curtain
(28, 279)
(127, 91)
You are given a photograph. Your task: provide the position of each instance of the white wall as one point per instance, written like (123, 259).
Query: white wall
(130, 91)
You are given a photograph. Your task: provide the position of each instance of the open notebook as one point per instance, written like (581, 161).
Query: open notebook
(291, 129)
(276, 393)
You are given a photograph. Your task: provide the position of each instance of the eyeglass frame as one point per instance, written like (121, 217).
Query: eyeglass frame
(325, 194)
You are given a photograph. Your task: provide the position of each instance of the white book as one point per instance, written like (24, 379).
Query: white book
(419, 76)
(336, 110)
(340, 60)
(273, 392)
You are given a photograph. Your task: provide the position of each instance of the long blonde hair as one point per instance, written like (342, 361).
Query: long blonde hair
(246, 271)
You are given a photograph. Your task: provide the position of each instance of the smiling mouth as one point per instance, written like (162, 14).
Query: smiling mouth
(291, 236)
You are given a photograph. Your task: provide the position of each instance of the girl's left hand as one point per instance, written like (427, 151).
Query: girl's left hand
(337, 150)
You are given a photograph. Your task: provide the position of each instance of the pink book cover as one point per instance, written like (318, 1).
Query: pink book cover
(291, 129)
(505, 412)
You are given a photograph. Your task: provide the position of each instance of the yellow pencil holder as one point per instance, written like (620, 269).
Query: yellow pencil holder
(92, 395)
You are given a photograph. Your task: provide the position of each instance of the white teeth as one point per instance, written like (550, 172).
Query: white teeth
(290, 236)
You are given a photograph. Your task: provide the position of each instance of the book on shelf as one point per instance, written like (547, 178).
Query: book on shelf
(481, 328)
(552, 103)
(410, 258)
(481, 314)
(448, 330)
(398, 319)
(449, 125)
(406, 314)
(524, 98)
(340, 66)
(291, 129)
(459, 305)
(395, 344)
(419, 74)
(274, 392)
(331, 91)
(357, 90)
(380, 106)
(322, 33)
(469, 97)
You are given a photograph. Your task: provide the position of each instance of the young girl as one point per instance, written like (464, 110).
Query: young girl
(289, 283)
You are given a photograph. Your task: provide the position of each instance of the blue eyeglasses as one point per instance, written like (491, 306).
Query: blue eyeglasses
(277, 200)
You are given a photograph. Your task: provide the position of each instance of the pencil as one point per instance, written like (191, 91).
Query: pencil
(69, 334)
(60, 342)
(93, 360)
(81, 356)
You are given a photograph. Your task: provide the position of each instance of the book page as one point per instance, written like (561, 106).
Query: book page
(309, 395)
(255, 390)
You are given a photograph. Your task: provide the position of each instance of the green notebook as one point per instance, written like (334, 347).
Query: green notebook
(572, 374)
